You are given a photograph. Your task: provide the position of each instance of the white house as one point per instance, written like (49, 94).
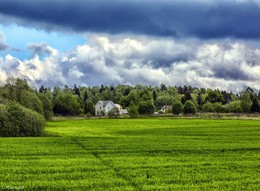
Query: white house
(121, 110)
(166, 108)
(103, 107)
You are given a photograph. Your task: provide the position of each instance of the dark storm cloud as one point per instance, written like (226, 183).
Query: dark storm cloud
(231, 74)
(203, 19)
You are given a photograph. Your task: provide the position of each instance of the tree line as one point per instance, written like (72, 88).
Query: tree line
(138, 99)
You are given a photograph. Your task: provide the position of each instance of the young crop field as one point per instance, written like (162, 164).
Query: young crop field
(135, 154)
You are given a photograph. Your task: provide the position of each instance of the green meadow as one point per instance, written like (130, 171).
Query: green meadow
(135, 154)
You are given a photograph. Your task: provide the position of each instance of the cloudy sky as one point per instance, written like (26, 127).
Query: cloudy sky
(203, 43)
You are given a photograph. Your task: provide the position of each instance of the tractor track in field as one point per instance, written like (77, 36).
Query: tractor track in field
(109, 164)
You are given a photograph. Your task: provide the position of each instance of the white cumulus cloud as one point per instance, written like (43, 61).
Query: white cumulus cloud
(230, 65)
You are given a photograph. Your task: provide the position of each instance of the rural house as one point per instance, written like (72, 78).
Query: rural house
(166, 108)
(103, 107)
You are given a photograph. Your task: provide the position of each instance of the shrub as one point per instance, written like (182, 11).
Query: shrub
(113, 113)
(132, 110)
(31, 100)
(146, 107)
(189, 107)
(234, 107)
(177, 107)
(47, 106)
(246, 102)
(207, 107)
(16, 120)
(219, 108)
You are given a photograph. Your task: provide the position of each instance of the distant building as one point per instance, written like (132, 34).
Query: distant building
(166, 108)
(103, 107)
(121, 110)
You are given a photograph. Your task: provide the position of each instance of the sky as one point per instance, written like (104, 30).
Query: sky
(202, 43)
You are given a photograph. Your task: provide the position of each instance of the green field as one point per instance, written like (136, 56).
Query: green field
(141, 154)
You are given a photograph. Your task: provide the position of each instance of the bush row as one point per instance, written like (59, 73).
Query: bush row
(16, 121)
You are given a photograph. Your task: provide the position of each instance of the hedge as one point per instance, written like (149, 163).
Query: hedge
(18, 121)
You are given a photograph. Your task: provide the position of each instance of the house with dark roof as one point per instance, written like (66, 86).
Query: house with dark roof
(103, 107)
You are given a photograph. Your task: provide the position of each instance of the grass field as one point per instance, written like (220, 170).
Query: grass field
(141, 154)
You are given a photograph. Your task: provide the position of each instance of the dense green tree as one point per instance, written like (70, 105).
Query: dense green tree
(189, 107)
(132, 110)
(234, 107)
(67, 104)
(219, 108)
(85, 96)
(42, 89)
(186, 97)
(146, 107)
(215, 96)
(19, 90)
(154, 95)
(132, 97)
(199, 100)
(255, 106)
(208, 107)
(226, 96)
(16, 121)
(89, 107)
(47, 102)
(31, 101)
(102, 88)
(177, 107)
(246, 102)
(163, 87)
(76, 90)
(163, 100)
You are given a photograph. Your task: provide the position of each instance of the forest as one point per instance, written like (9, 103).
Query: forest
(138, 99)
(24, 109)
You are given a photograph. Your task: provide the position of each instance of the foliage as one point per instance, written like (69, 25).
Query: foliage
(219, 108)
(89, 107)
(255, 106)
(81, 100)
(31, 101)
(132, 110)
(46, 99)
(214, 96)
(246, 102)
(131, 97)
(163, 100)
(177, 107)
(234, 107)
(18, 90)
(113, 113)
(189, 107)
(208, 107)
(67, 104)
(186, 97)
(16, 120)
(146, 107)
